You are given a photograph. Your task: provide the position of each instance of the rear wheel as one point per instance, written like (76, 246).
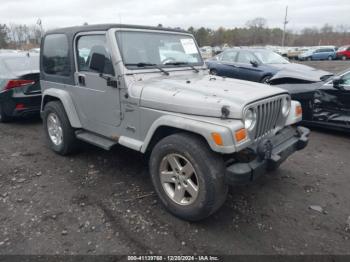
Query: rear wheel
(309, 59)
(330, 58)
(343, 58)
(188, 177)
(3, 117)
(60, 134)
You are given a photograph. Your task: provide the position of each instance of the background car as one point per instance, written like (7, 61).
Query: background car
(343, 52)
(295, 52)
(319, 54)
(20, 92)
(324, 104)
(258, 65)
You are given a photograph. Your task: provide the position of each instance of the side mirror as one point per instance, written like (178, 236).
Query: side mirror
(337, 82)
(254, 63)
(98, 62)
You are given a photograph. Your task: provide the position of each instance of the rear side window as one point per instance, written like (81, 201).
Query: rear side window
(229, 56)
(56, 56)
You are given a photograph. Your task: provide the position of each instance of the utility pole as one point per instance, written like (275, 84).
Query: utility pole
(284, 27)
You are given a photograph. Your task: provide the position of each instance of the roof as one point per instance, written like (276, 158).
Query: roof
(104, 27)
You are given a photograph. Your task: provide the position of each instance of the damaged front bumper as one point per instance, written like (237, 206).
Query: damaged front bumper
(269, 155)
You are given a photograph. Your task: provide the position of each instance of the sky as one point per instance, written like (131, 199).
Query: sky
(176, 13)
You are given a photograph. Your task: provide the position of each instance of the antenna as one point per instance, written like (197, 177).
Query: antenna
(285, 22)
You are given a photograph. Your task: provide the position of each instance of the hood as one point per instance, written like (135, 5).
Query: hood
(298, 72)
(201, 94)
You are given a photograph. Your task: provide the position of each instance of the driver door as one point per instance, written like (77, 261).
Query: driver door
(335, 102)
(98, 104)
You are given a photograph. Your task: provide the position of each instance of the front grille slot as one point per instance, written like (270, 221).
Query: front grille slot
(268, 114)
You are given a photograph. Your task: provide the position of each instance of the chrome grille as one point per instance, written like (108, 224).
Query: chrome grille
(268, 114)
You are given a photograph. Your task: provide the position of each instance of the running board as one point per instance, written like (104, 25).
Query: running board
(96, 140)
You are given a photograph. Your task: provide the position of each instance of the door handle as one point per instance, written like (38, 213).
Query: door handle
(81, 80)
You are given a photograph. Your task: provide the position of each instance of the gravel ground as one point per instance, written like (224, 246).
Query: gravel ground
(99, 202)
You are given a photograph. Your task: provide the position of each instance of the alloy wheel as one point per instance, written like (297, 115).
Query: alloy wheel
(54, 129)
(179, 179)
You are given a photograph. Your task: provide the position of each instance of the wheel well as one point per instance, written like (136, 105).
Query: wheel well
(47, 99)
(164, 131)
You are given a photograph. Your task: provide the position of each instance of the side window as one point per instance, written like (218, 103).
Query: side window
(229, 56)
(245, 57)
(89, 45)
(56, 56)
(346, 79)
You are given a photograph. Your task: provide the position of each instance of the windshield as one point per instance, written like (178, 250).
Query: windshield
(140, 49)
(343, 48)
(269, 57)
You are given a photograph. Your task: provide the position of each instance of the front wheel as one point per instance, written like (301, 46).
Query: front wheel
(343, 58)
(60, 134)
(213, 72)
(309, 59)
(330, 58)
(265, 80)
(188, 177)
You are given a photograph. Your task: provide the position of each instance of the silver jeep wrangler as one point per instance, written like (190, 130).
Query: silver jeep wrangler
(148, 89)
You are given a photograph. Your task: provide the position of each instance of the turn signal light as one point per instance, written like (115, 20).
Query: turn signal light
(298, 111)
(217, 139)
(241, 135)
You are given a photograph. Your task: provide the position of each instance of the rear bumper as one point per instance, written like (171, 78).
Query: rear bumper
(20, 105)
(288, 141)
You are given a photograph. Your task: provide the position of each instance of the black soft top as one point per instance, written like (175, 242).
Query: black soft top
(104, 27)
(71, 32)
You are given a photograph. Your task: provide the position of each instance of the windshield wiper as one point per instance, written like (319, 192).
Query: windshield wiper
(143, 64)
(183, 63)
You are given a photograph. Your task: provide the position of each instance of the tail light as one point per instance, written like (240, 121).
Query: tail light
(18, 83)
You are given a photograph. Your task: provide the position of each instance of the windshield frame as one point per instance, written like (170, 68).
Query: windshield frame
(170, 66)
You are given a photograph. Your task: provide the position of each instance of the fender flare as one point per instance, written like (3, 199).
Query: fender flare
(201, 128)
(67, 102)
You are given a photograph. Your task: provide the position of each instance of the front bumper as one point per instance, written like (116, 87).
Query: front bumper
(285, 143)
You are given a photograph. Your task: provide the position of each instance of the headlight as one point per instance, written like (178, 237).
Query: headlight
(285, 106)
(249, 119)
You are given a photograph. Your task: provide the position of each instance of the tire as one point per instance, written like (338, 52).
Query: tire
(265, 79)
(3, 117)
(207, 176)
(309, 59)
(213, 72)
(68, 143)
(343, 58)
(330, 58)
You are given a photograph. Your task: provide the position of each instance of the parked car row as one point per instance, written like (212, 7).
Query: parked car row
(260, 65)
